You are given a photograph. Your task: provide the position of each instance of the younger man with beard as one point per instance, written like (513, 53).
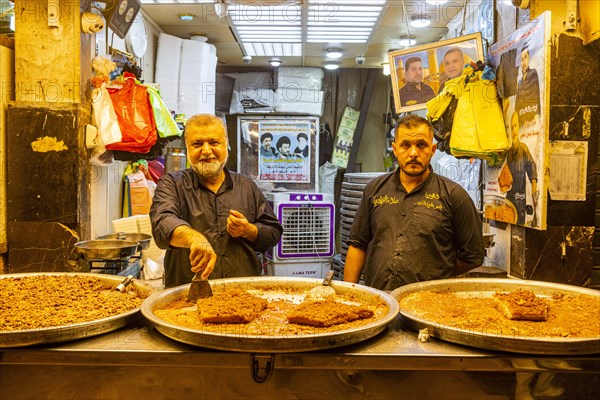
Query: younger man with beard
(413, 225)
(414, 91)
(208, 218)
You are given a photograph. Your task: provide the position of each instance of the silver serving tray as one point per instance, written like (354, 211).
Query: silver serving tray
(265, 343)
(486, 287)
(73, 331)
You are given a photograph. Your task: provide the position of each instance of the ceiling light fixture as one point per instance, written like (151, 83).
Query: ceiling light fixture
(386, 68)
(407, 41)
(420, 21)
(186, 17)
(331, 66)
(333, 53)
(275, 62)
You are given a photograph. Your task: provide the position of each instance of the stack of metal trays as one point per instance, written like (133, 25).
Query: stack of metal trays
(353, 187)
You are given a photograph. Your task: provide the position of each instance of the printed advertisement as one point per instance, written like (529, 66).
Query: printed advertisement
(515, 191)
(284, 154)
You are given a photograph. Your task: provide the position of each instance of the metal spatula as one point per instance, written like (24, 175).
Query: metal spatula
(323, 291)
(199, 289)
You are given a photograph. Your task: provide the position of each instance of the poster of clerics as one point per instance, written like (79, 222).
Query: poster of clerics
(284, 153)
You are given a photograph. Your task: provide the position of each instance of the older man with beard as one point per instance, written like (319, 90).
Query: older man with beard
(208, 218)
(413, 225)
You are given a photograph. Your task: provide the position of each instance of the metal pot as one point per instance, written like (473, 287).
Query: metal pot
(175, 160)
(103, 250)
(142, 238)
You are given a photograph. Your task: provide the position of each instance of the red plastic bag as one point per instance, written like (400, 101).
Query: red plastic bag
(134, 113)
(155, 169)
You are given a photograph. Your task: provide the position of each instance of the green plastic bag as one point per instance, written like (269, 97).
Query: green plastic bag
(165, 124)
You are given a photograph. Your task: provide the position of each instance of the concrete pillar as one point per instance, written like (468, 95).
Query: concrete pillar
(48, 176)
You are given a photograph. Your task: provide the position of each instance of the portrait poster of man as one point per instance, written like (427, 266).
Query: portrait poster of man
(418, 73)
(284, 153)
(515, 191)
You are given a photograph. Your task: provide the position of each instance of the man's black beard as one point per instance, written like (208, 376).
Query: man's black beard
(413, 174)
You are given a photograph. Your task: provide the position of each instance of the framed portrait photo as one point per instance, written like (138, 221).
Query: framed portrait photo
(418, 73)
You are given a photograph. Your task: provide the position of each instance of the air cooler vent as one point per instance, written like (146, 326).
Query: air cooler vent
(306, 231)
(308, 228)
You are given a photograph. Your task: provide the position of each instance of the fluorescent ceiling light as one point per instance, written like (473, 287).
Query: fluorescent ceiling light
(334, 53)
(359, 2)
(331, 66)
(325, 40)
(407, 41)
(310, 21)
(266, 49)
(420, 21)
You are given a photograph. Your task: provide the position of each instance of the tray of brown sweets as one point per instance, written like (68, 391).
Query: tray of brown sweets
(271, 315)
(50, 307)
(519, 316)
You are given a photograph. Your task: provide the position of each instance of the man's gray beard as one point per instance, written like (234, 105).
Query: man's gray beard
(209, 170)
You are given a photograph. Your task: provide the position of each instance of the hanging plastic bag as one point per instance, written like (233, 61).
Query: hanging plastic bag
(165, 123)
(440, 112)
(134, 113)
(104, 116)
(156, 169)
(138, 191)
(478, 129)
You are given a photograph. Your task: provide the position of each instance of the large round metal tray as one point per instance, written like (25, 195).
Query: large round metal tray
(265, 343)
(73, 331)
(486, 287)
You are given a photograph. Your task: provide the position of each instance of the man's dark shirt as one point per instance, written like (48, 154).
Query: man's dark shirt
(521, 164)
(181, 199)
(527, 103)
(416, 236)
(410, 93)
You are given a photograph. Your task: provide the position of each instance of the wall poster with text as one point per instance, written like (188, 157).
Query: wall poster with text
(279, 152)
(284, 154)
(515, 191)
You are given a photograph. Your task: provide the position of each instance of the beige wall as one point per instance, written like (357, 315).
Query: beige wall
(49, 72)
(588, 27)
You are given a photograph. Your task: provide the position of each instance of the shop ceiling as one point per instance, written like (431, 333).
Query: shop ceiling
(225, 24)
(241, 28)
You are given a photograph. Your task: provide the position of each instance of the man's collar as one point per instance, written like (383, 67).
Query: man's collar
(227, 182)
(399, 182)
